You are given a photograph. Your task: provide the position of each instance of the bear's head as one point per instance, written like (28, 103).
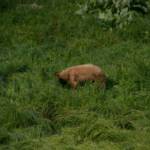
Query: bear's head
(60, 78)
(57, 74)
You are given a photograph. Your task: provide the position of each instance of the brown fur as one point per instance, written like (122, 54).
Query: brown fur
(74, 75)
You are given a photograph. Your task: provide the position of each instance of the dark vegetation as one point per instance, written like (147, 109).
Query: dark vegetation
(114, 13)
(37, 113)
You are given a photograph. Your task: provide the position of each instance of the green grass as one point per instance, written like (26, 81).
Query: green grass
(37, 113)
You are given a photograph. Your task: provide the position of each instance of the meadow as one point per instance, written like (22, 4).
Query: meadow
(37, 113)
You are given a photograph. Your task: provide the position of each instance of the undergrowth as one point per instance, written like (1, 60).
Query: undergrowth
(38, 113)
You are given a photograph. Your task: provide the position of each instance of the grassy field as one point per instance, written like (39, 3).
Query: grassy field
(37, 113)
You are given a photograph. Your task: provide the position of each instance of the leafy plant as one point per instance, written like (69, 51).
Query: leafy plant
(115, 13)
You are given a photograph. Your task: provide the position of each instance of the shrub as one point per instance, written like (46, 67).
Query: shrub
(115, 13)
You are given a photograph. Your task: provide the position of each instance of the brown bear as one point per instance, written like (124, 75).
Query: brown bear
(75, 74)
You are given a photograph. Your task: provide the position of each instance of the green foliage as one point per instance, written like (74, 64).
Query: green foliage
(4, 136)
(11, 4)
(6, 4)
(37, 113)
(114, 13)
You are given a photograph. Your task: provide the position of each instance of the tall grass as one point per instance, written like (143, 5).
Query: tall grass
(38, 113)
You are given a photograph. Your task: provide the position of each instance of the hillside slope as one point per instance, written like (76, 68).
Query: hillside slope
(37, 113)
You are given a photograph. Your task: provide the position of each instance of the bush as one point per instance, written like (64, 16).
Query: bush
(114, 12)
